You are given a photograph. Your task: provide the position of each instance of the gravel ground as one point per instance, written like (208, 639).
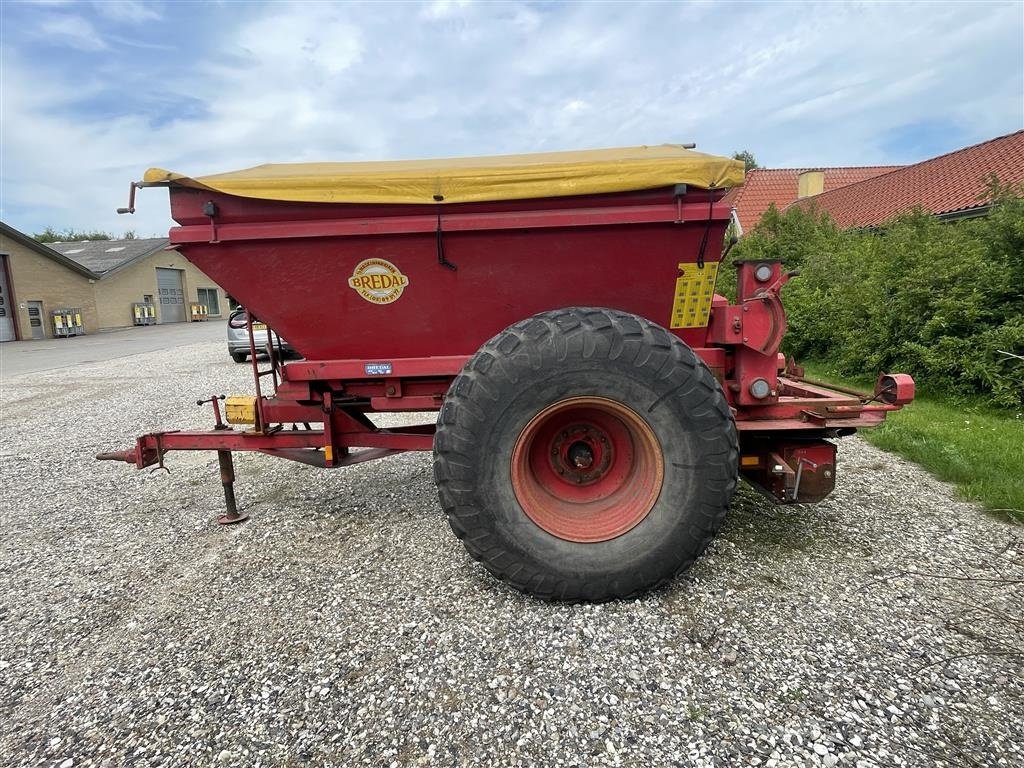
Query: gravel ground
(345, 625)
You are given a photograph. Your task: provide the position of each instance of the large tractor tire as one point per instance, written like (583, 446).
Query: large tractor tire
(585, 454)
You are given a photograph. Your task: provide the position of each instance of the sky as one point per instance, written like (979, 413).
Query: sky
(93, 93)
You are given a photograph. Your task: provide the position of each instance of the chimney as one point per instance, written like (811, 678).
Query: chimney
(811, 183)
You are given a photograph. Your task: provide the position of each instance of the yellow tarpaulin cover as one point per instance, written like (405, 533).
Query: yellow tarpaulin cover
(472, 179)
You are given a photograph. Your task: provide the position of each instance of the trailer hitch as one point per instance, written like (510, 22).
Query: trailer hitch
(126, 456)
(142, 456)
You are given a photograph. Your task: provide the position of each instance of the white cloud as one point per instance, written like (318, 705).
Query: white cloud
(127, 11)
(145, 46)
(443, 9)
(283, 83)
(298, 44)
(74, 31)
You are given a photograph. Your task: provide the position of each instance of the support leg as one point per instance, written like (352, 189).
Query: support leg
(227, 478)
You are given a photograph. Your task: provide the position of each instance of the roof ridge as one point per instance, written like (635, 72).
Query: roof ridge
(46, 251)
(969, 146)
(833, 167)
(895, 169)
(110, 240)
(952, 164)
(909, 165)
(99, 255)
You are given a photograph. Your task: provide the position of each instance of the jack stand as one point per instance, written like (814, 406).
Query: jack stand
(227, 478)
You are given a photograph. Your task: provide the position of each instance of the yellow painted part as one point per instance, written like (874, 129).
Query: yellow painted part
(328, 454)
(472, 179)
(695, 288)
(810, 183)
(749, 461)
(239, 409)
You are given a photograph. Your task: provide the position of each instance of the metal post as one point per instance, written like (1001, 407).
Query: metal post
(227, 478)
(256, 370)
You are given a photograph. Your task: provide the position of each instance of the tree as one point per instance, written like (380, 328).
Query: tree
(749, 161)
(69, 235)
(942, 301)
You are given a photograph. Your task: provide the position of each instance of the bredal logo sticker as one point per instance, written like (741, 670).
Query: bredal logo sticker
(378, 281)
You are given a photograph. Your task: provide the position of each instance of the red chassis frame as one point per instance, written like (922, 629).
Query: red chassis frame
(782, 418)
(804, 409)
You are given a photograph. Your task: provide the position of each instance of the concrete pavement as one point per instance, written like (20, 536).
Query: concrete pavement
(20, 357)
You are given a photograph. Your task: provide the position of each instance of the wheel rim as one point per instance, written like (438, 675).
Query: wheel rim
(587, 469)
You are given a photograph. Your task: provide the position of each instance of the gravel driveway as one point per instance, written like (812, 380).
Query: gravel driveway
(345, 625)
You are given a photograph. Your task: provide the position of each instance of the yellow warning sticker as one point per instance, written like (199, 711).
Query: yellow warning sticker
(694, 290)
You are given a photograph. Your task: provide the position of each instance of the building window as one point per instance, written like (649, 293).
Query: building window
(208, 298)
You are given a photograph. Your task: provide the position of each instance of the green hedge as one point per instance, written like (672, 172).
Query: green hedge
(938, 300)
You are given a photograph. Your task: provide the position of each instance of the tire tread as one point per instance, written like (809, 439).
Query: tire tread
(604, 332)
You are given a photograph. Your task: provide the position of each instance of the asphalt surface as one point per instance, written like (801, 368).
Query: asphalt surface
(345, 625)
(20, 357)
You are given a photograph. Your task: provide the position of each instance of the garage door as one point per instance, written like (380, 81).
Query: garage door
(172, 295)
(6, 310)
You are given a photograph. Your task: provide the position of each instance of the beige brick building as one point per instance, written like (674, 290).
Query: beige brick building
(102, 278)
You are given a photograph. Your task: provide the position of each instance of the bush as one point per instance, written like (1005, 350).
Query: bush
(937, 300)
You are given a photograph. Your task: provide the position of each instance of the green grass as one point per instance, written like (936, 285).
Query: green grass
(963, 441)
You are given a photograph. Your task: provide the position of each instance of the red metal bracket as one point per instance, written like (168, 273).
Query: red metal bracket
(894, 388)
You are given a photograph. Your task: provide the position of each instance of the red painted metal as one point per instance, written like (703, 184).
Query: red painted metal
(450, 222)
(895, 388)
(409, 367)
(448, 278)
(790, 471)
(752, 329)
(545, 255)
(587, 469)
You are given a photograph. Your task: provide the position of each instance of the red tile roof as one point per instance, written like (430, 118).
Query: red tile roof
(945, 184)
(764, 186)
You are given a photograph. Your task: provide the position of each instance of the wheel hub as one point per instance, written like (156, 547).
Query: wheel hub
(587, 469)
(581, 454)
